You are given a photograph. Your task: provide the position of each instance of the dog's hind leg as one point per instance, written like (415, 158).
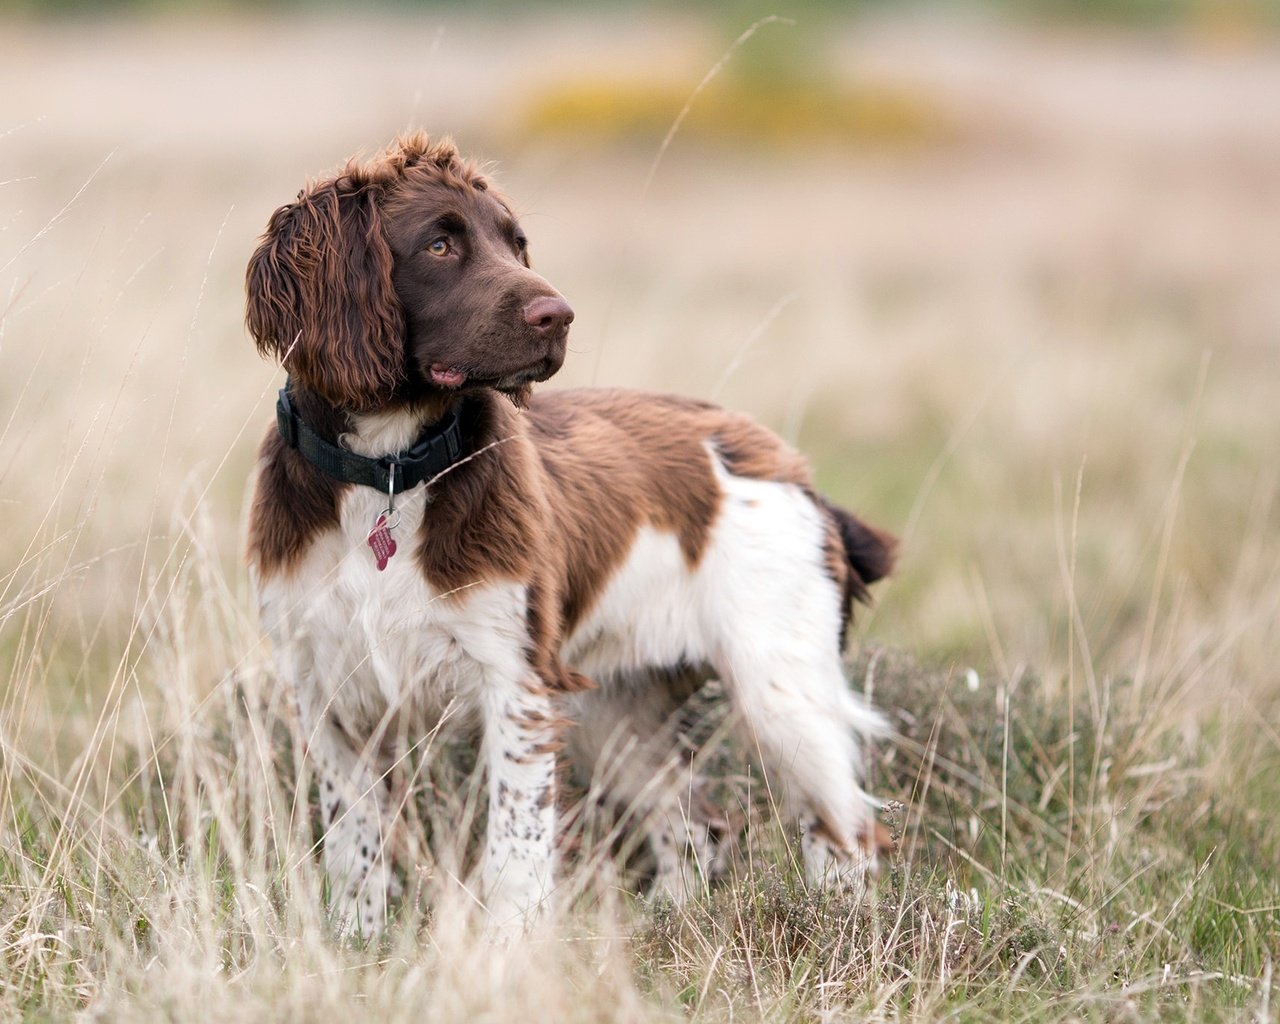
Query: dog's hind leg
(798, 718)
(626, 744)
(774, 618)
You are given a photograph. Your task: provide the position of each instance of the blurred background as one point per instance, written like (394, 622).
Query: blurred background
(1007, 270)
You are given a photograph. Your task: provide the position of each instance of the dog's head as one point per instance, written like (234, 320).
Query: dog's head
(402, 276)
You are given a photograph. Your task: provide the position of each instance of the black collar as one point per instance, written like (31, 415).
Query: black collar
(433, 452)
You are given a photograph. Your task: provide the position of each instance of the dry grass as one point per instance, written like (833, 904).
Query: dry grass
(1044, 352)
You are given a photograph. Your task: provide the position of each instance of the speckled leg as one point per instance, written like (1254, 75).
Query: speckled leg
(353, 802)
(520, 736)
(684, 852)
(626, 744)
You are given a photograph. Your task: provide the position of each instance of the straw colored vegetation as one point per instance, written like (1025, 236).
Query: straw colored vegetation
(743, 111)
(1044, 353)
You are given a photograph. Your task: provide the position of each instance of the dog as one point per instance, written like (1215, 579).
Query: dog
(426, 533)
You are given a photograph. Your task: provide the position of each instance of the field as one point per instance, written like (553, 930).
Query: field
(1019, 303)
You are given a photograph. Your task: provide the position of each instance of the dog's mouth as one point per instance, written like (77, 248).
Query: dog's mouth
(452, 378)
(443, 376)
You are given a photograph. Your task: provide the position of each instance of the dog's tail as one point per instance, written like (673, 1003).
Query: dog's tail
(870, 552)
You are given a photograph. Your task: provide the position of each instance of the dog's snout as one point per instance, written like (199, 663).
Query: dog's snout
(548, 314)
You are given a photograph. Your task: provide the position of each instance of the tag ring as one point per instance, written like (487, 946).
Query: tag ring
(391, 517)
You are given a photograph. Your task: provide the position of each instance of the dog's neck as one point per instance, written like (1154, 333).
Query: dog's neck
(395, 429)
(393, 449)
(375, 434)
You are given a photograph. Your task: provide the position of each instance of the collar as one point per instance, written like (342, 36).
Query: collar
(433, 452)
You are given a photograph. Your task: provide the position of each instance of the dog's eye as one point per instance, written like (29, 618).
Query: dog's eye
(522, 243)
(440, 247)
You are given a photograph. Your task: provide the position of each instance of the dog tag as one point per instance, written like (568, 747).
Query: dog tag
(381, 541)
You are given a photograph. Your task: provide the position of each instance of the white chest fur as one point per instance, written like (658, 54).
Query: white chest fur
(368, 644)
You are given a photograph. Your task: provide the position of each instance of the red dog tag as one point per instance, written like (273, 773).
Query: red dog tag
(381, 541)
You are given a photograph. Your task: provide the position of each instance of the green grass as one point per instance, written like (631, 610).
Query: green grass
(1047, 864)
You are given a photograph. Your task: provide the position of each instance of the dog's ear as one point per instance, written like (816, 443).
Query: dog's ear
(321, 298)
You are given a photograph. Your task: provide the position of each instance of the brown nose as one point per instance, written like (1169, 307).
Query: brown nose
(548, 314)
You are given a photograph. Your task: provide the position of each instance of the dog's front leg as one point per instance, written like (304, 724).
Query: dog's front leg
(520, 738)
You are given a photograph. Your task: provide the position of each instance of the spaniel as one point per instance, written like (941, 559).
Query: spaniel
(427, 534)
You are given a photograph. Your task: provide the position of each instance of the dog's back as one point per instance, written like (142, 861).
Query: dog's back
(623, 459)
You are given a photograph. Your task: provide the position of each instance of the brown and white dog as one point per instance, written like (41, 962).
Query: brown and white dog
(581, 554)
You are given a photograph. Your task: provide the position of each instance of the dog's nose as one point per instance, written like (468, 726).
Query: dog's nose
(548, 314)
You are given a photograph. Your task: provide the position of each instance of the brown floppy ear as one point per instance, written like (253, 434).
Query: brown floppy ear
(321, 298)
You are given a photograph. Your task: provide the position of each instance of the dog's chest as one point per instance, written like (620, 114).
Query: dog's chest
(372, 644)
